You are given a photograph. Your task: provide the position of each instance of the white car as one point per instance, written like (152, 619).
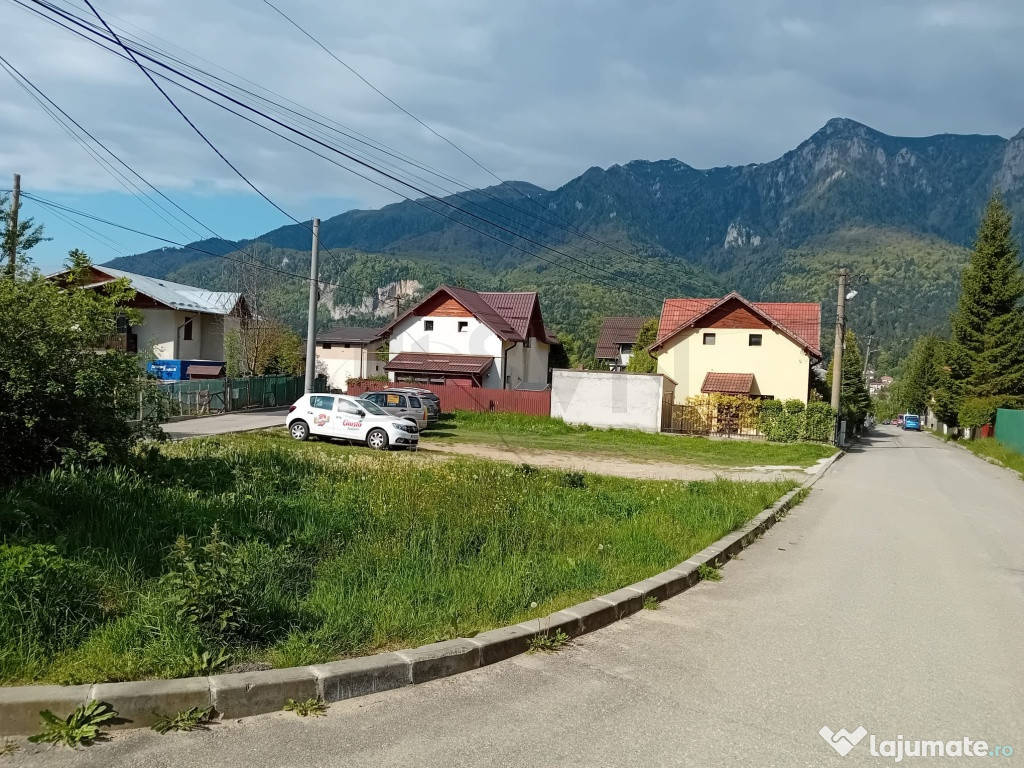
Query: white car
(349, 418)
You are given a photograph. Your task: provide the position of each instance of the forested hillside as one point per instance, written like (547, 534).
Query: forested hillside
(897, 211)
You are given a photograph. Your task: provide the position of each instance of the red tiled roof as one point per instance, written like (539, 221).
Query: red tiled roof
(423, 362)
(615, 331)
(728, 383)
(800, 320)
(509, 315)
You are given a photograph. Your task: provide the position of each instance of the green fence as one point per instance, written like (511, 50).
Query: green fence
(198, 398)
(1010, 429)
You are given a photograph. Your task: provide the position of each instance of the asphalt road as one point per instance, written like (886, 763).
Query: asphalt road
(892, 599)
(238, 421)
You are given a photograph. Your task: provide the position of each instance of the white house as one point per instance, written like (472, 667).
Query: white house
(180, 322)
(345, 353)
(476, 339)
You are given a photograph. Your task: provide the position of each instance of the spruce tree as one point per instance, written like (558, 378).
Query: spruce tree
(855, 402)
(986, 352)
(640, 360)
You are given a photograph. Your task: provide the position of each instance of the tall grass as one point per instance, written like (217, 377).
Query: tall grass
(318, 551)
(517, 431)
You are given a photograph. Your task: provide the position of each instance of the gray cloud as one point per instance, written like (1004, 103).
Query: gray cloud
(535, 90)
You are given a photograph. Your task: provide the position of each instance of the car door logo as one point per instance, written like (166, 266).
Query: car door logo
(350, 423)
(321, 419)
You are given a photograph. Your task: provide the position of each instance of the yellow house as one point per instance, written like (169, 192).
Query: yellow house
(737, 347)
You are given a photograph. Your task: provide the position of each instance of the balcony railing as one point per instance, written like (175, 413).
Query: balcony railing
(122, 342)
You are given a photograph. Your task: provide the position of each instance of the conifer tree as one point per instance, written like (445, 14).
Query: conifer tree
(986, 352)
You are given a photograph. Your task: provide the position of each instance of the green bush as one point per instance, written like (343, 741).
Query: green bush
(819, 422)
(977, 411)
(47, 603)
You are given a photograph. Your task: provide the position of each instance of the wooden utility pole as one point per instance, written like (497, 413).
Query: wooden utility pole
(837, 352)
(314, 290)
(12, 246)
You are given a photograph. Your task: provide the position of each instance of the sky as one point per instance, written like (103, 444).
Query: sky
(532, 90)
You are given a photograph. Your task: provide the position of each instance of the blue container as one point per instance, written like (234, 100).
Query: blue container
(176, 370)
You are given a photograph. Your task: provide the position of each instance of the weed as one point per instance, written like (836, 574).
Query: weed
(80, 727)
(313, 707)
(548, 642)
(574, 480)
(8, 748)
(191, 719)
(651, 603)
(206, 663)
(708, 572)
(528, 470)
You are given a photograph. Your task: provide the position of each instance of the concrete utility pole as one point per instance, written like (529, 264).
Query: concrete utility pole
(314, 291)
(12, 250)
(837, 352)
(867, 358)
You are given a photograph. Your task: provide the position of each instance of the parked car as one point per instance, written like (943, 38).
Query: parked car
(430, 399)
(887, 422)
(898, 421)
(912, 421)
(404, 405)
(349, 418)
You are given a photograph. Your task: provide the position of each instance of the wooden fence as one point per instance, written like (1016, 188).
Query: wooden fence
(459, 398)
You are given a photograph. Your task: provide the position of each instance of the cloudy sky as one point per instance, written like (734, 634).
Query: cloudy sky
(534, 90)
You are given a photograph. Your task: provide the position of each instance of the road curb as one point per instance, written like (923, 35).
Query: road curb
(254, 693)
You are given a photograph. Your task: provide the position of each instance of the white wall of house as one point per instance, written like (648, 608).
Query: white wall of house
(477, 339)
(162, 333)
(344, 361)
(781, 369)
(609, 398)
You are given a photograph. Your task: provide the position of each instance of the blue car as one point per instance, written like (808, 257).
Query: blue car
(911, 421)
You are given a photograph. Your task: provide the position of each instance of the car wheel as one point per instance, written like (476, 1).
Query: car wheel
(377, 439)
(299, 430)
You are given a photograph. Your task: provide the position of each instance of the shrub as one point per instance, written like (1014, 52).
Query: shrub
(977, 411)
(819, 422)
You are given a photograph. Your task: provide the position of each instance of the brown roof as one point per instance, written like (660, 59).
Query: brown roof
(348, 334)
(800, 321)
(512, 316)
(728, 383)
(429, 362)
(211, 370)
(616, 331)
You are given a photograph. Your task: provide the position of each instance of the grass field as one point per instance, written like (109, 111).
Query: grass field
(254, 548)
(522, 432)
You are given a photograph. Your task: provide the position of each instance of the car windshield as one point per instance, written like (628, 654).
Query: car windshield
(371, 407)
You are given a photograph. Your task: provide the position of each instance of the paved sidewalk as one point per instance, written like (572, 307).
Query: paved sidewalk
(893, 599)
(238, 421)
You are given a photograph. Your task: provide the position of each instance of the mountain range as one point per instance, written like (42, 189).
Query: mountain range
(899, 212)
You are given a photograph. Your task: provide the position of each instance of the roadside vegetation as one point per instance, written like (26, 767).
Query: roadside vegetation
(990, 448)
(522, 432)
(255, 549)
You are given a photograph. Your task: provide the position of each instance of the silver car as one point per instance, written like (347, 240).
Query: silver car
(404, 405)
(429, 398)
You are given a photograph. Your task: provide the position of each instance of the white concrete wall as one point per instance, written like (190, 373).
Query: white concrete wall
(212, 329)
(161, 334)
(156, 334)
(781, 369)
(609, 399)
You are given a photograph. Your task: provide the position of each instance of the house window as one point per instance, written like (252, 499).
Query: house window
(186, 330)
(463, 325)
(754, 340)
(709, 339)
(326, 345)
(347, 346)
(428, 325)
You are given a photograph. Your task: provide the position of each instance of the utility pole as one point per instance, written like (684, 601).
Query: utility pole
(837, 352)
(314, 291)
(12, 246)
(867, 358)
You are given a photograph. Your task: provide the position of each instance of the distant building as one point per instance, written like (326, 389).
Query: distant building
(345, 353)
(471, 338)
(737, 347)
(179, 322)
(616, 340)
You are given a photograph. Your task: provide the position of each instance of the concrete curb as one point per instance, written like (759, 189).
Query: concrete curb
(254, 693)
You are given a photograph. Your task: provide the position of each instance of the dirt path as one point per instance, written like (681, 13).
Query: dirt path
(609, 465)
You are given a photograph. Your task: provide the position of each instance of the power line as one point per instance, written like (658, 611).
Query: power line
(359, 161)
